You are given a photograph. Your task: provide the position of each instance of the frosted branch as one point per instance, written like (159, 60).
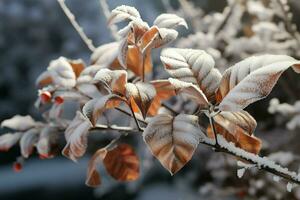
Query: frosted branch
(77, 27)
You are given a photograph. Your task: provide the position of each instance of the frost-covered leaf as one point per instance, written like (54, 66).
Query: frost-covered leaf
(122, 54)
(89, 90)
(95, 107)
(251, 80)
(8, 140)
(62, 73)
(166, 36)
(76, 136)
(44, 79)
(227, 125)
(93, 178)
(69, 96)
(241, 119)
(165, 89)
(169, 21)
(19, 123)
(173, 140)
(140, 95)
(122, 163)
(28, 142)
(106, 55)
(45, 141)
(149, 39)
(114, 80)
(193, 66)
(122, 13)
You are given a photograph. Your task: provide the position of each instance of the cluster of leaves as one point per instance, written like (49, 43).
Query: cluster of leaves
(119, 77)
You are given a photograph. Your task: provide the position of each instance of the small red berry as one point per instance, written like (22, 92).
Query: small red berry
(17, 167)
(45, 96)
(59, 100)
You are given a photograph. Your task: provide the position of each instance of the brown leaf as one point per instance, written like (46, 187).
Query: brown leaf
(173, 140)
(114, 79)
(93, 178)
(236, 131)
(142, 94)
(135, 60)
(122, 163)
(78, 66)
(95, 107)
(76, 135)
(165, 89)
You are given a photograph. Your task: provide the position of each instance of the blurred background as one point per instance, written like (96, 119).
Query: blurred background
(33, 32)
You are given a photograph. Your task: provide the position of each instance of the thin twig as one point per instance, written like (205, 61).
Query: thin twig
(114, 128)
(135, 119)
(166, 106)
(77, 27)
(113, 28)
(227, 12)
(213, 128)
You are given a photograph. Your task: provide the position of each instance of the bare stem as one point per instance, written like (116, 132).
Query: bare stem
(114, 128)
(213, 128)
(113, 28)
(77, 27)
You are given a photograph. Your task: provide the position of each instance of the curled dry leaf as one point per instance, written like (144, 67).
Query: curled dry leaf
(95, 107)
(169, 21)
(173, 140)
(93, 178)
(19, 123)
(122, 163)
(140, 96)
(122, 13)
(251, 80)
(76, 137)
(166, 36)
(8, 140)
(193, 66)
(28, 142)
(165, 89)
(114, 80)
(238, 128)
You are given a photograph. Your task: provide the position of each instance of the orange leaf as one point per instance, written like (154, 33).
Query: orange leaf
(122, 163)
(77, 65)
(93, 177)
(236, 133)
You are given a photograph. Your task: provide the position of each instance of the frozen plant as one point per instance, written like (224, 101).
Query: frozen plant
(120, 78)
